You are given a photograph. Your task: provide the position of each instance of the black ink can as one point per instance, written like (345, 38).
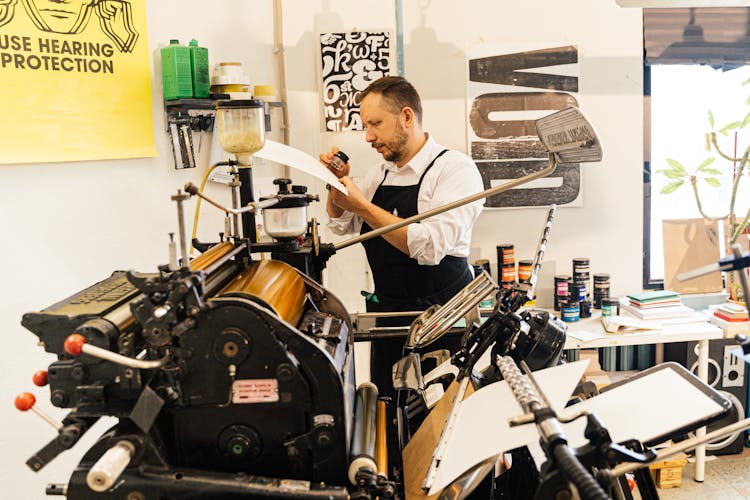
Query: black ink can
(561, 289)
(339, 160)
(601, 288)
(584, 307)
(610, 306)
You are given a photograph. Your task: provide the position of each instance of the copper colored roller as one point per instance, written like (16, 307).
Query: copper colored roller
(275, 284)
(211, 255)
(381, 441)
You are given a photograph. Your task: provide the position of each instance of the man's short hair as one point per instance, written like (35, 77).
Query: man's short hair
(397, 93)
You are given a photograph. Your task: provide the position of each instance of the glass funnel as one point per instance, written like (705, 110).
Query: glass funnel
(242, 129)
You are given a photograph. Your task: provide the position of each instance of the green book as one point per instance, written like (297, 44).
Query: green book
(656, 295)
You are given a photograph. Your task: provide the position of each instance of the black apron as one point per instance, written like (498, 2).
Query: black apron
(402, 284)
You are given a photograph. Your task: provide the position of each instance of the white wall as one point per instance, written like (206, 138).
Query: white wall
(65, 226)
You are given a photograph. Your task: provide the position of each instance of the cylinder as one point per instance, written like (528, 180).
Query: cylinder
(561, 289)
(365, 431)
(610, 306)
(584, 309)
(210, 256)
(481, 264)
(108, 468)
(601, 288)
(381, 452)
(571, 311)
(506, 254)
(274, 284)
(524, 270)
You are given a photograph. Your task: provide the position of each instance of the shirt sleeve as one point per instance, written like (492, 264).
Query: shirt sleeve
(448, 233)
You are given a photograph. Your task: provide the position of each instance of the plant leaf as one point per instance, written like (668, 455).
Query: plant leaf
(746, 82)
(748, 100)
(676, 165)
(672, 173)
(711, 118)
(729, 127)
(711, 171)
(745, 121)
(713, 181)
(671, 187)
(706, 163)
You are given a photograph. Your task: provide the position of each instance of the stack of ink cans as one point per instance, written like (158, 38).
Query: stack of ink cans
(601, 289)
(506, 265)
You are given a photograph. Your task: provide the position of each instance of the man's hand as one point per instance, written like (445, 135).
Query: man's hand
(355, 202)
(327, 158)
(375, 216)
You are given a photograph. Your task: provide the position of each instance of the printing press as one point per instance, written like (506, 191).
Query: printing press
(232, 376)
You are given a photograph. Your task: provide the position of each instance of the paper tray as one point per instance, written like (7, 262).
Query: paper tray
(724, 404)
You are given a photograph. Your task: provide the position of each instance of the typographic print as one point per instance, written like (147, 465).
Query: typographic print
(80, 71)
(73, 16)
(350, 62)
(507, 91)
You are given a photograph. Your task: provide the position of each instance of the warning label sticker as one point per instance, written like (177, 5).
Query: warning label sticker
(262, 390)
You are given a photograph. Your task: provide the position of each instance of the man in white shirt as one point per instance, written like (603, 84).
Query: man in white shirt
(420, 264)
(423, 263)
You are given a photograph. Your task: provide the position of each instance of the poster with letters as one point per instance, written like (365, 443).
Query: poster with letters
(349, 63)
(76, 80)
(508, 89)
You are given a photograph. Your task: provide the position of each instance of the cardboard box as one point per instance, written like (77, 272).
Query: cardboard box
(668, 474)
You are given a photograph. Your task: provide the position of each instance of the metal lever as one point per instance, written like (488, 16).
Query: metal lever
(252, 207)
(76, 344)
(441, 320)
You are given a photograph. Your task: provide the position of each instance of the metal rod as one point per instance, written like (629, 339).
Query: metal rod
(235, 216)
(686, 445)
(119, 359)
(387, 314)
(540, 252)
(179, 198)
(250, 207)
(737, 251)
(449, 206)
(437, 456)
(54, 423)
(239, 248)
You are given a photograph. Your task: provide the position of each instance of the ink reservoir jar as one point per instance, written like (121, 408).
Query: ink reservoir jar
(339, 161)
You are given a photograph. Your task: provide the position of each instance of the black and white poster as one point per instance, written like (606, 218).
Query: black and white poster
(350, 62)
(508, 89)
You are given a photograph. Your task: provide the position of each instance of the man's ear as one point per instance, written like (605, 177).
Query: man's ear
(408, 115)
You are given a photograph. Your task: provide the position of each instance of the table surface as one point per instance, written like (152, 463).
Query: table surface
(668, 333)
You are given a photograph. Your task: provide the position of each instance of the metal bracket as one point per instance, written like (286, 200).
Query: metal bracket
(185, 116)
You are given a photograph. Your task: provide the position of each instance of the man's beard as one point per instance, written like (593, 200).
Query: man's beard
(396, 149)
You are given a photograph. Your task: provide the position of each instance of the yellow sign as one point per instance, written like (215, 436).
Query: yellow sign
(74, 80)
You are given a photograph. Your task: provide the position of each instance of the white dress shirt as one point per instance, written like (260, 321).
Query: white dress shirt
(453, 176)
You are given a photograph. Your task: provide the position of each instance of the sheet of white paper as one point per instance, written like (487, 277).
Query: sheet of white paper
(481, 429)
(281, 153)
(584, 335)
(665, 401)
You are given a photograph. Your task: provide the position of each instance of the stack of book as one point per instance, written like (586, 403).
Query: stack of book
(662, 306)
(731, 317)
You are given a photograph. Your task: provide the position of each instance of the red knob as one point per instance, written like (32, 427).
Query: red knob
(40, 378)
(25, 401)
(74, 344)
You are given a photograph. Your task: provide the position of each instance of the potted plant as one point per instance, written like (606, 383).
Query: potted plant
(708, 174)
